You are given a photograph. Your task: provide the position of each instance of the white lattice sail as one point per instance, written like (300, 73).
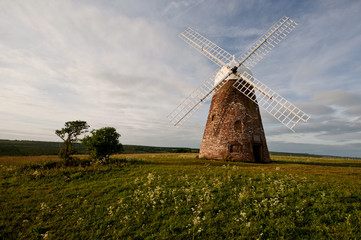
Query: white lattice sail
(276, 105)
(196, 99)
(209, 49)
(267, 42)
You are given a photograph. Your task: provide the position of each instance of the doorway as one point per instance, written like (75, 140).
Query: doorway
(257, 152)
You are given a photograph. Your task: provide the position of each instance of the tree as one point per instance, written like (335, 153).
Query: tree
(103, 143)
(69, 134)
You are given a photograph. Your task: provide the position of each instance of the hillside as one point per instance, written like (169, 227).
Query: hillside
(36, 148)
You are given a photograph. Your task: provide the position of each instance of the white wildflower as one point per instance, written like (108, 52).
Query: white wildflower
(260, 236)
(43, 206)
(80, 219)
(150, 178)
(45, 235)
(240, 196)
(110, 210)
(136, 180)
(196, 220)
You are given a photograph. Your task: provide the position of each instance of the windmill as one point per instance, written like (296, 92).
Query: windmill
(234, 127)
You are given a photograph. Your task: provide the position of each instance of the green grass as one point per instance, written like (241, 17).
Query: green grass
(176, 196)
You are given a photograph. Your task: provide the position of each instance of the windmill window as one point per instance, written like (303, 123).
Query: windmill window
(213, 117)
(238, 126)
(235, 148)
(257, 138)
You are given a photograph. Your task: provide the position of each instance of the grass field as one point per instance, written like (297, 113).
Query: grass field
(176, 196)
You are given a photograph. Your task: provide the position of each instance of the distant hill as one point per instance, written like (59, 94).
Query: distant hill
(307, 155)
(35, 148)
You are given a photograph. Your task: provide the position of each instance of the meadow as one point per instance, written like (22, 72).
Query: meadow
(177, 196)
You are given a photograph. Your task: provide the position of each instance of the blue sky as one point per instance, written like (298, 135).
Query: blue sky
(121, 64)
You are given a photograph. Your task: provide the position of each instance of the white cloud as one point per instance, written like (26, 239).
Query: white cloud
(80, 64)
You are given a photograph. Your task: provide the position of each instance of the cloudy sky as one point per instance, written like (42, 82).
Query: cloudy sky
(122, 64)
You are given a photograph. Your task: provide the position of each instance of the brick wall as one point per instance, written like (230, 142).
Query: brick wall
(234, 128)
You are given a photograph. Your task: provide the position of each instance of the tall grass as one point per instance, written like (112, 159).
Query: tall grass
(163, 196)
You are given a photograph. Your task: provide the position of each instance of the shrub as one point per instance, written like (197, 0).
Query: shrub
(103, 143)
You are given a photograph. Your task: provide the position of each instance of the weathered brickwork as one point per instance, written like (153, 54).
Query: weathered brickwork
(234, 128)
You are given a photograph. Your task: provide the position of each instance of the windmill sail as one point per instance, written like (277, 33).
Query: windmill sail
(284, 111)
(209, 49)
(267, 42)
(196, 99)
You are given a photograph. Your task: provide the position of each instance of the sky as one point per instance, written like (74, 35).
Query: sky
(122, 64)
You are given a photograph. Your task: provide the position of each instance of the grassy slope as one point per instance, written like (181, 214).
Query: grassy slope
(36, 148)
(177, 196)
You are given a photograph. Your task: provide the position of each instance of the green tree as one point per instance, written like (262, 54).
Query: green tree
(103, 143)
(69, 134)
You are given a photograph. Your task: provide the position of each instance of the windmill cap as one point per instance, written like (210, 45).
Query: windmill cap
(225, 69)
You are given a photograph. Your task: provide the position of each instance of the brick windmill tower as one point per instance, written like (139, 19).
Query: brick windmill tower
(234, 127)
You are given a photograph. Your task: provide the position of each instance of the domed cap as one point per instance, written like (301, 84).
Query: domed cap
(225, 69)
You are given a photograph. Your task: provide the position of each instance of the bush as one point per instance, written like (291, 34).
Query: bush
(103, 143)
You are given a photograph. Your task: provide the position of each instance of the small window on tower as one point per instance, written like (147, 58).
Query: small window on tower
(213, 117)
(238, 126)
(235, 148)
(257, 138)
